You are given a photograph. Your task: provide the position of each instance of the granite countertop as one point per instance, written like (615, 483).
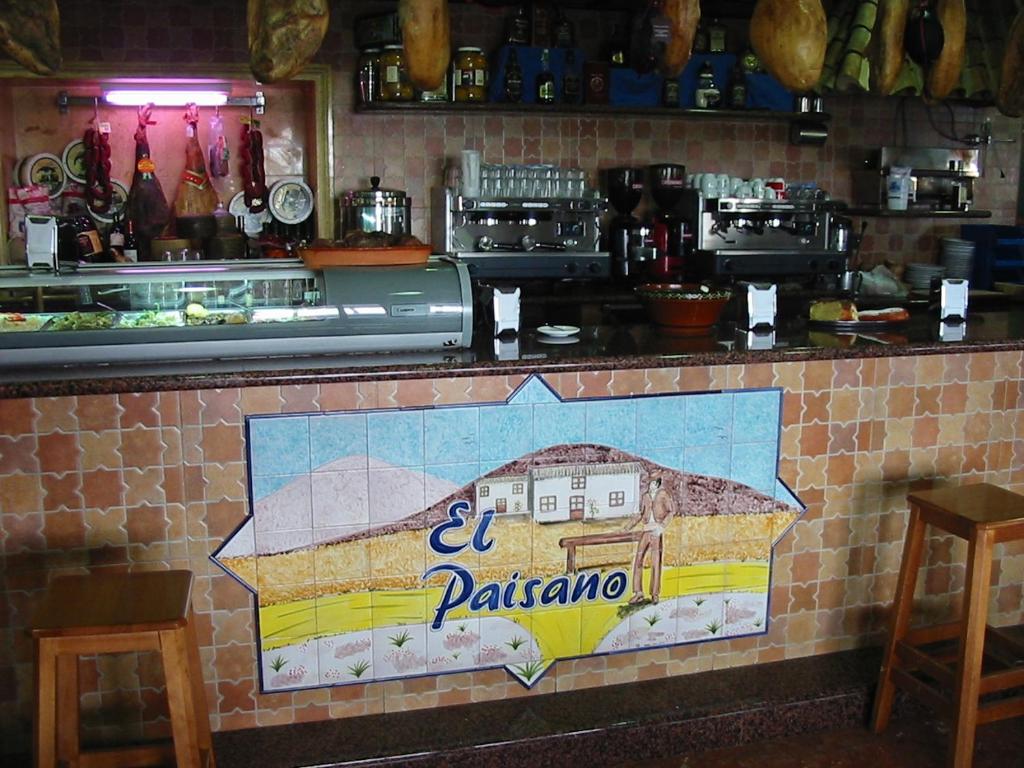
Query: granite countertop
(614, 336)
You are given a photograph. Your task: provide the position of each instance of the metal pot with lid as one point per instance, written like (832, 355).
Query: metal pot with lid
(376, 210)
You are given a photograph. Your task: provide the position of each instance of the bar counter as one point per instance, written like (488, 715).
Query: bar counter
(613, 336)
(164, 467)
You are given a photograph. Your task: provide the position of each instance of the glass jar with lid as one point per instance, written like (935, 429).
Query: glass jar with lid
(368, 77)
(394, 75)
(470, 75)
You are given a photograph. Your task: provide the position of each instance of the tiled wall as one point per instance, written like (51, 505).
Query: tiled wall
(409, 151)
(158, 480)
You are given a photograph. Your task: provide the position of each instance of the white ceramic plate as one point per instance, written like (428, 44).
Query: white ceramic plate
(558, 331)
(118, 200)
(44, 169)
(73, 159)
(290, 201)
(558, 339)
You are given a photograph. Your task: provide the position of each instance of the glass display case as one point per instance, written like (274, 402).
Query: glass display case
(208, 310)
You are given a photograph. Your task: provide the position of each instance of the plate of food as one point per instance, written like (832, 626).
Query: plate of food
(360, 248)
(15, 322)
(843, 315)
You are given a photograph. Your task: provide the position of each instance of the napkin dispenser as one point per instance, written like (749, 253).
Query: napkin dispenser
(502, 304)
(953, 301)
(41, 242)
(758, 306)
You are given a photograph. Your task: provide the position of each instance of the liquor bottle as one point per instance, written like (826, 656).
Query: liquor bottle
(513, 78)
(670, 92)
(571, 87)
(131, 244)
(738, 88)
(565, 36)
(90, 247)
(618, 46)
(519, 27)
(717, 36)
(545, 80)
(707, 94)
(543, 26)
(115, 240)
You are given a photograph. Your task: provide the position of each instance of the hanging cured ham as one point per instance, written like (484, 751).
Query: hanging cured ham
(196, 195)
(30, 34)
(888, 61)
(284, 36)
(944, 74)
(790, 37)
(147, 206)
(425, 36)
(683, 17)
(1011, 87)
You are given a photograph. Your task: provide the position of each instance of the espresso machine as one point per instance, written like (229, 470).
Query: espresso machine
(628, 236)
(756, 238)
(667, 182)
(516, 237)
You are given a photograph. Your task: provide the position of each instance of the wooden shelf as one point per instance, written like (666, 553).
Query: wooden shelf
(582, 110)
(885, 213)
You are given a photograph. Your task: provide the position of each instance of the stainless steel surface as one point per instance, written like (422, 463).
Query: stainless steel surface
(376, 210)
(752, 237)
(520, 237)
(942, 179)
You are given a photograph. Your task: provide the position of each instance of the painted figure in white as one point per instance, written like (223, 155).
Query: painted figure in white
(657, 507)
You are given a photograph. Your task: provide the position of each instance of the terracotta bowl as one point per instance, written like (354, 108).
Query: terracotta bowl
(683, 310)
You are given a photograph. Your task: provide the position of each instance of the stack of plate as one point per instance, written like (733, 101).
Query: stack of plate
(957, 257)
(919, 276)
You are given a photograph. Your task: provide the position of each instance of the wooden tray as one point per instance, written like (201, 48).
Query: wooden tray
(318, 257)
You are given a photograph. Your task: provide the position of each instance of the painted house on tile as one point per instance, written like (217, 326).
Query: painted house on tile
(578, 491)
(505, 494)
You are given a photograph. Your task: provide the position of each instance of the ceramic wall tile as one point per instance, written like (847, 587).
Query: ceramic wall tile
(279, 446)
(338, 441)
(709, 419)
(395, 438)
(340, 498)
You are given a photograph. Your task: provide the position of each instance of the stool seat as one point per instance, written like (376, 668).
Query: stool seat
(118, 613)
(111, 603)
(953, 683)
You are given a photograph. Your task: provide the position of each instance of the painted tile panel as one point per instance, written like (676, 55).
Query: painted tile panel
(454, 538)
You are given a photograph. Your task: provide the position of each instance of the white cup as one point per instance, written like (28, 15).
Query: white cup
(744, 190)
(470, 173)
(768, 193)
(757, 187)
(735, 183)
(724, 183)
(691, 181)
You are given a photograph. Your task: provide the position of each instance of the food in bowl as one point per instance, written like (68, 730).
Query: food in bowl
(683, 309)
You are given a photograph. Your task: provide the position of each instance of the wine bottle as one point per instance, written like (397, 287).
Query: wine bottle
(545, 80)
(519, 27)
(513, 78)
(115, 240)
(565, 36)
(131, 244)
(571, 86)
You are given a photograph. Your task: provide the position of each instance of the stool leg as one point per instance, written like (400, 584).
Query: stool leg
(195, 674)
(44, 729)
(174, 650)
(972, 646)
(900, 618)
(67, 709)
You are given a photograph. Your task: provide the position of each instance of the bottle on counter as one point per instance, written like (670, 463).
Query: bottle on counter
(115, 240)
(367, 76)
(738, 88)
(519, 27)
(618, 46)
(131, 243)
(717, 37)
(513, 78)
(700, 39)
(565, 35)
(572, 89)
(394, 75)
(707, 94)
(670, 92)
(545, 80)
(543, 26)
(90, 246)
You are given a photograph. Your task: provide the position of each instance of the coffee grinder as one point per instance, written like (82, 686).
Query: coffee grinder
(668, 229)
(627, 234)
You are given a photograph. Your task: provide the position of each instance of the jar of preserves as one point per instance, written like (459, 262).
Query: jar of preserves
(394, 75)
(470, 75)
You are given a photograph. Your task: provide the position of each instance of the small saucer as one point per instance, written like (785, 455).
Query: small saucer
(558, 339)
(558, 331)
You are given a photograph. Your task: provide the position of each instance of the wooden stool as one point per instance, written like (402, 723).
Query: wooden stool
(118, 613)
(983, 515)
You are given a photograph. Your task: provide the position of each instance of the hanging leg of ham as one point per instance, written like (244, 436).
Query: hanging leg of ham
(284, 36)
(30, 34)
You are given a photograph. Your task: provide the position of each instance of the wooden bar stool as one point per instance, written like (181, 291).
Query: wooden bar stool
(953, 683)
(118, 613)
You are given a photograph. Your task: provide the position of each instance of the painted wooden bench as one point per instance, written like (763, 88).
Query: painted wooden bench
(570, 543)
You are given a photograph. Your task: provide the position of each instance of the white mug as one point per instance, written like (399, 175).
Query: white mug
(757, 187)
(768, 193)
(744, 190)
(709, 185)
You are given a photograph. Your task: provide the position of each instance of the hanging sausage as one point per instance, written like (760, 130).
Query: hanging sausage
(425, 36)
(790, 36)
(284, 36)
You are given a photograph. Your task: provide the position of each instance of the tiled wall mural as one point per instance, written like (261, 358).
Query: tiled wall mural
(392, 544)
